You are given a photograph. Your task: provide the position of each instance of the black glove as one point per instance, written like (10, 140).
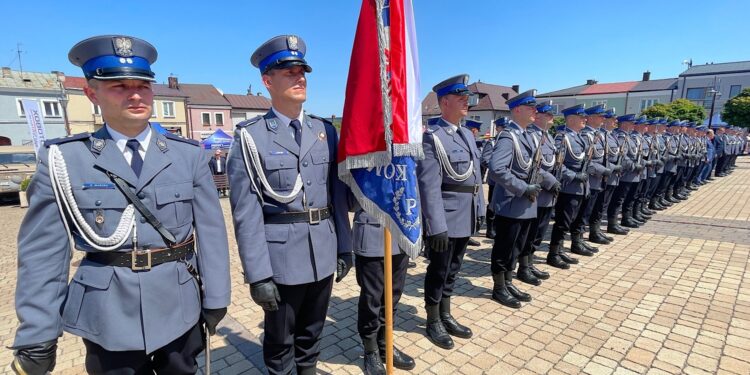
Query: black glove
(36, 359)
(581, 176)
(480, 221)
(212, 317)
(616, 168)
(343, 264)
(555, 188)
(265, 294)
(437, 242)
(638, 167)
(532, 191)
(607, 172)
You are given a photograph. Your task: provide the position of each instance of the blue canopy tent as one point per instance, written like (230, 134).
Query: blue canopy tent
(217, 140)
(716, 120)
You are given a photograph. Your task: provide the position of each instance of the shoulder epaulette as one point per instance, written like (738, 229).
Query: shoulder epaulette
(249, 122)
(66, 139)
(325, 120)
(181, 139)
(432, 129)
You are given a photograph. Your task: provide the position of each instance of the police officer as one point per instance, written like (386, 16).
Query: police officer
(631, 178)
(705, 175)
(577, 149)
(657, 132)
(672, 140)
(599, 172)
(131, 198)
(640, 211)
(614, 162)
(486, 157)
(452, 209)
(290, 210)
(514, 200)
(546, 200)
(367, 242)
(720, 146)
(475, 127)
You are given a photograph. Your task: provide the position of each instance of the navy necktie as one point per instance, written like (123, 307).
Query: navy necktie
(136, 162)
(295, 124)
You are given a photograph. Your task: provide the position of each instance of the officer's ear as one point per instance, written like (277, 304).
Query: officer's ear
(267, 77)
(90, 90)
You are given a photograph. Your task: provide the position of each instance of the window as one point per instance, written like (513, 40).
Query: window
(597, 102)
(167, 109)
(555, 109)
(475, 117)
(154, 110)
(51, 108)
(219, 118)
(734, 90)
(645, 103)
(19, 108)
(206, 118)
(96, 109)
(698, 95)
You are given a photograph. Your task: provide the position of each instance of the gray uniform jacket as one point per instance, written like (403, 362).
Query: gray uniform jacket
(510, 178)
(545, 198)
(486, 156)
(684, 151)
(630, 174)
(614, 157)
(649, 171)
(672, 152)
(116, 307)
(454, 212)
(596, 166)
(574, 160)
(295, 253)
(368, 236)
(661, 150)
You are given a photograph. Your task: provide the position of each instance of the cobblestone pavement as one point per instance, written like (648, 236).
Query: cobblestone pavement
(671, 297)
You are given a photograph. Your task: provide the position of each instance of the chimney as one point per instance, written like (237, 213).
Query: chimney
(646, 75)
(515, 88)
(591, 82)
(173, 83)
(6, 72)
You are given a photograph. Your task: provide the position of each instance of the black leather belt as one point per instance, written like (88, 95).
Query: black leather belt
(474, 189)
(143, 260)
(311, 216)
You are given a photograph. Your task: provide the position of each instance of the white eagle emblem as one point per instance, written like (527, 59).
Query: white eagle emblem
(291, 42)
(123, 46)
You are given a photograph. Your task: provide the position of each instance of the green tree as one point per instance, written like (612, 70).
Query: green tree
(684, 109)
(737, 110)
(658, 110)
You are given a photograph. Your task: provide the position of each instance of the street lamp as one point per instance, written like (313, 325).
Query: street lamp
(64, 102)
(714, 93)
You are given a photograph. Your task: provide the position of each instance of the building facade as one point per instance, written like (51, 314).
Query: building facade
(44, 88)
(699, 83)
(245, 107)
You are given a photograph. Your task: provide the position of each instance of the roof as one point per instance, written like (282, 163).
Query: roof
(492, 100)
(720, 68)
(615, 87)
(202, 94)
(248, 101)
(30, 80)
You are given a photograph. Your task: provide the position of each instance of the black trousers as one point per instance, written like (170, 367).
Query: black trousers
(371, 306)
(510, 240)
(677, 182)
(666, 178)
(582, 219)
(640, 192)
(653, 185)
(601, 204)
(177, 357)
(443, 269)
(490, 214)
(566, 211)
(292, 333)
(618, 198)
(539, 227)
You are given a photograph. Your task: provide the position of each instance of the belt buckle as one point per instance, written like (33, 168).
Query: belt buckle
(314, 215)
(476, 189)
(133, 260)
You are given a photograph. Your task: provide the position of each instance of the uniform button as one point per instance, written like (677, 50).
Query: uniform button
(143, 220)
(98, 203)
(309, 182)
(304, 164)
(176, 195)
(282, 164)
(141, 195)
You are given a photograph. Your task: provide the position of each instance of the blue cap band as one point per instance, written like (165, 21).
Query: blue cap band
(280, 55)
(456, 87)
(526, 100)
(114, 62)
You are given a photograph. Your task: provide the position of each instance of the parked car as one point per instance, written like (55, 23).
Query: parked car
(16, 164)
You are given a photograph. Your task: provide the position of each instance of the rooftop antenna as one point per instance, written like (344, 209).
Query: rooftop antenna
(18, 52)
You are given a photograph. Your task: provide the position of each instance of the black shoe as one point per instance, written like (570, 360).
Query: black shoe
(578, 249)
(598, 237)
(501, 294)
(436, 331)
(665, 203)
(616, 229)
(567, 258)
(473, 242)
(450, 323)
(373, 364)
(524, 274)
(586, 246)
(521, 296)
(490, 232)
(554, 259)
(401, 360)
(541, 275)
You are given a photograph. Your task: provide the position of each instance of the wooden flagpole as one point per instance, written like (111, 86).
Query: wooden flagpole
(387, 277)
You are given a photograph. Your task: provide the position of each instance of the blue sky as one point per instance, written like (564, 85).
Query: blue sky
(546, 45)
